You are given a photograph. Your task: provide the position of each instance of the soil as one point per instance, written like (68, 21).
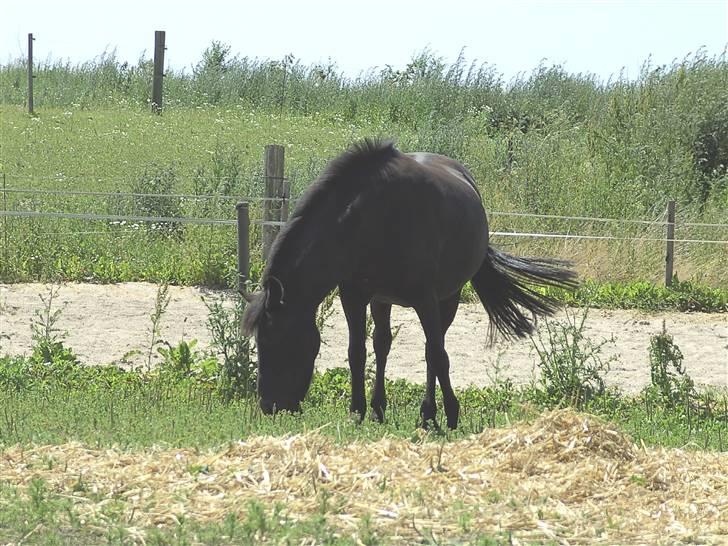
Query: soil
(111, 323)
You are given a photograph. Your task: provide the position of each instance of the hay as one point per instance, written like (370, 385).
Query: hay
(566, 477)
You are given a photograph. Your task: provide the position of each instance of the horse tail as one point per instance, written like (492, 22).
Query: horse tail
(507, 285)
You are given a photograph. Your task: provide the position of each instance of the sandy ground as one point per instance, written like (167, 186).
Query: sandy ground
(103, 323)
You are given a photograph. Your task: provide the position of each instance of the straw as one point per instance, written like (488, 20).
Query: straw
(567, 477)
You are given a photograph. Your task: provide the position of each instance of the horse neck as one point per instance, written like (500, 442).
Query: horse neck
(309, 262)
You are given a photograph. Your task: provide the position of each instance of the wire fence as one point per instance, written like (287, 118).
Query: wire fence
(230, 199)
(125, 223)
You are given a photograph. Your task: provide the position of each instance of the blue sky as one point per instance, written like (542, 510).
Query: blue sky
(599, 37)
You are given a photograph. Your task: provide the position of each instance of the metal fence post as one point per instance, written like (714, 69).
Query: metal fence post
(243, 216)
(274, 194)
(5, 225)
(670, 249)
(157, 87)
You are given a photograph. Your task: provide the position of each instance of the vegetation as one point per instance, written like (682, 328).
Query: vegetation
(50, 397)
(549, 142)
(203, 399)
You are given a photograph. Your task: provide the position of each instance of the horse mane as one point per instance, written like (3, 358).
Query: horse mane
(341, 178)
(345, 173)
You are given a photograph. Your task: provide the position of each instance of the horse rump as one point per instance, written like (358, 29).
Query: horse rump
(507, 285)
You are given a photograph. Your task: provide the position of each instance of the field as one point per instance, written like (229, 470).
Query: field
(126, 410)
(549, 143)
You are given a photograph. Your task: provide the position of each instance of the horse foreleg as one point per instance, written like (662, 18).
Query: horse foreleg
(355, 310)
(381, 313)
(428, 408)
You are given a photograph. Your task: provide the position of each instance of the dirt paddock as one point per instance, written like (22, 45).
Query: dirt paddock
(106, 322)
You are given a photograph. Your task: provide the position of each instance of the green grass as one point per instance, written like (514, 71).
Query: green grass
(102, 406)
(39, 516)
(551, 142)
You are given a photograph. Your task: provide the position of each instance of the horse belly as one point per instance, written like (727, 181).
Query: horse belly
(460, 257)
(417, 258)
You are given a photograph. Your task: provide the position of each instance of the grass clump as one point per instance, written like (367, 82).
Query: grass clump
(647, 296)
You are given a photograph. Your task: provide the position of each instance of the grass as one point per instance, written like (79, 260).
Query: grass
(43, 517)
(49, 398)
(107, 407)
(550, 142)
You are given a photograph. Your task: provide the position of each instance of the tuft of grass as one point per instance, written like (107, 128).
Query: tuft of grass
(647, 296)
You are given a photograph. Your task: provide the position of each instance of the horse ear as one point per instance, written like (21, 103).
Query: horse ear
(273, 293)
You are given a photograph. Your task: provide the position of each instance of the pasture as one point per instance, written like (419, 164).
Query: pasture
(548, 143)
(158, 440)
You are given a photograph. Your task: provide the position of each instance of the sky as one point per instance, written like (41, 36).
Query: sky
(601, 37)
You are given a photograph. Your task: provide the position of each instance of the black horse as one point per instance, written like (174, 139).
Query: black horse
(386, 228)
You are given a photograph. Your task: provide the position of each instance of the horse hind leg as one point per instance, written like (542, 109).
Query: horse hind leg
(381, 313)
(436, 320)
(354, 304)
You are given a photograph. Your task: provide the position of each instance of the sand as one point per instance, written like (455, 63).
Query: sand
(111, 323)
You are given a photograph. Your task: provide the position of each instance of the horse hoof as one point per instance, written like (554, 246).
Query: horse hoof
(357, 415)
(453, 415)
(378, 408)
(428, 411)
(378, 414)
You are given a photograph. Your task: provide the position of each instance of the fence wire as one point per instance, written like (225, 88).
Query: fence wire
(175, 219)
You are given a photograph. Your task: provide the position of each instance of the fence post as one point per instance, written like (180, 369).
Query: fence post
(670, 250)
(243, 215)
(5, 224)
(30, 73)
(159, 48)
(274, 194)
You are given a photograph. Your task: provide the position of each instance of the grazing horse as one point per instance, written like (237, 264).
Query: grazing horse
(387, 228)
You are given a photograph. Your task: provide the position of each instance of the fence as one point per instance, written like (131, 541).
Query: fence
(157, 76)
(276, 202)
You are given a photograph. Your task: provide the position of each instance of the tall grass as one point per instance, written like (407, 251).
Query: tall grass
(546, 142)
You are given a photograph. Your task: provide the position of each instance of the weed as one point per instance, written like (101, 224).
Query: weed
(572, 369)
(326, 309)
(667, 373)
(47, 338)
(185, 362)
(160, 307)
(239, 369)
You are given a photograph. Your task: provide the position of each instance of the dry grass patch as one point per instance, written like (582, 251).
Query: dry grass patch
(566, 477)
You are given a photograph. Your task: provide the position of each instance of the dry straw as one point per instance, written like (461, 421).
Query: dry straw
(566, 477)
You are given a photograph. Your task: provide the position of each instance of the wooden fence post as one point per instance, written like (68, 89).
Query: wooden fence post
(670, 250)
(243, 216)
(30, 73)
(157, 87)
(275, 194)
